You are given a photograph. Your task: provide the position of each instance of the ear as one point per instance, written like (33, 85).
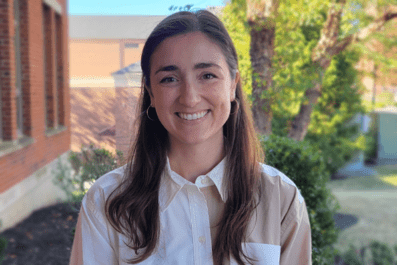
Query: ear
(234, 86)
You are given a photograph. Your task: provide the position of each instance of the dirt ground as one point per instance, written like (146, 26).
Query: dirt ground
(44, 238)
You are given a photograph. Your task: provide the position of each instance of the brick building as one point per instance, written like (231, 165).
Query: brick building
(34, 97)
(98, 47)
(101, 45)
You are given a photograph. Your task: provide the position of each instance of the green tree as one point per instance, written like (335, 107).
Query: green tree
(299, 63)
(294, 72)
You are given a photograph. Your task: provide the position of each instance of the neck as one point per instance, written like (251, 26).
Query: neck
(191, 161)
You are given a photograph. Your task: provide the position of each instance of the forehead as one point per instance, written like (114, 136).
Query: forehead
(187, 49)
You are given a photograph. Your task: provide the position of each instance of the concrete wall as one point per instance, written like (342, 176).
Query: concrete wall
(33, 192)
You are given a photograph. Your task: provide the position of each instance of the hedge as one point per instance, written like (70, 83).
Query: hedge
(304, 165)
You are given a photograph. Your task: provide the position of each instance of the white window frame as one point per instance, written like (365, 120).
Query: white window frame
(54, 5)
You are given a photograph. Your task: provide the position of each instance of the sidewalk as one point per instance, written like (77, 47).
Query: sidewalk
(355, 168)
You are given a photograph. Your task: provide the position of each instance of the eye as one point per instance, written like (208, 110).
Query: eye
(168, 79)
(208, 76)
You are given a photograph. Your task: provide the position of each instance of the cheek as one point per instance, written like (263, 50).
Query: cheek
(163, 102)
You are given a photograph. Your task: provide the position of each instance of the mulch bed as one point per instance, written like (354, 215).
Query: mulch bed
(45, 237)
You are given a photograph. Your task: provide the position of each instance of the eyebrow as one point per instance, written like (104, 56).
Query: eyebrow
(168, 68)
(205, 65)
(171, 68)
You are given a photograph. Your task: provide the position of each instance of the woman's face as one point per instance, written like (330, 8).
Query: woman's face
(191, 88)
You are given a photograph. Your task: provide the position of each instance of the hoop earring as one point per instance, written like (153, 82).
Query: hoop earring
(147, 112)
(235, 101)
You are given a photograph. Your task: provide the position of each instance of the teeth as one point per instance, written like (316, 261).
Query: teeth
(194, 116)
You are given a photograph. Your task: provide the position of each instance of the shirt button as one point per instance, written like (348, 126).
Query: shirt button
(202, 239)
(204, 181)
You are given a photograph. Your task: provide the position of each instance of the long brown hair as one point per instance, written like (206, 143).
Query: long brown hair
(133, 208)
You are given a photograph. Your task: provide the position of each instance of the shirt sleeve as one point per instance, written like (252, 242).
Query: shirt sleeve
(296, 242)
(91, 243)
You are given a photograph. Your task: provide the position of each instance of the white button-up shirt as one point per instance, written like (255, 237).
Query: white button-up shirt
(278, 233)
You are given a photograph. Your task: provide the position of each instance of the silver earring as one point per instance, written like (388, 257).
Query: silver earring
(147, 112)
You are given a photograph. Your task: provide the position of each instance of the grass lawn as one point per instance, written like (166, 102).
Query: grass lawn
(373, 200)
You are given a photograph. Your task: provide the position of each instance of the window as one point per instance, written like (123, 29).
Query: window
(131, 45)
(1, 114)
(49, 63)
(53, 68)
(59, 69)
(18, 68)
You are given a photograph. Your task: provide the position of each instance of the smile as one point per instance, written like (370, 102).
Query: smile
(194, 116)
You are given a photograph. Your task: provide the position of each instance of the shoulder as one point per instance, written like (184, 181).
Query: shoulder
(286, 207)
(282, 196)
(97, 194)
(274, 178)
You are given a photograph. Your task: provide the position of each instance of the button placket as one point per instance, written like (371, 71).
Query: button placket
(193, 216)
(200, 226)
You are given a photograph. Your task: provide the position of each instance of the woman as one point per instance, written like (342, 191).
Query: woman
(193, 190)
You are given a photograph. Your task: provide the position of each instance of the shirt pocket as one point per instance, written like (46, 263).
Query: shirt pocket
(264, 254)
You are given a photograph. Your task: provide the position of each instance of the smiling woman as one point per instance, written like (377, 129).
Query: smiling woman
(194, 190)
(192, 90)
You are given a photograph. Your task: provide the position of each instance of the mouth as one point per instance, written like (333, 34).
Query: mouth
(193, 116)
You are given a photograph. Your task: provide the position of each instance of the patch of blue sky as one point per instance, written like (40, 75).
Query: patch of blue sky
(134, 7)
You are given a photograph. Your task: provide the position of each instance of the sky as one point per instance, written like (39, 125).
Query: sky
(134, 7)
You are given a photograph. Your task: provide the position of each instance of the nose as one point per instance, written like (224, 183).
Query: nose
(189, 94)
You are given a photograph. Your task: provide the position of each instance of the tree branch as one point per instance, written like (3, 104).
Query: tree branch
(364, 33)
(329, 36)
(329, 45)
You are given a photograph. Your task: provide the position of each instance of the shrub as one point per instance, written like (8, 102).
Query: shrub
(305, 166)
(351, 257)
(87, 166)
(381, 254)
(376, 253)
(336, 151)
(337, 144)
(3, 246)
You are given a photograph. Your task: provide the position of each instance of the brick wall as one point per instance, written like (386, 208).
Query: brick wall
(96, 110)
(19, 160)
(125, 111)
(93, 60)
(92, 113)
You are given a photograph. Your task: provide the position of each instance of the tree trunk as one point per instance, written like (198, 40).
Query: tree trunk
(261, 52)
(260, 15)
(301, 121)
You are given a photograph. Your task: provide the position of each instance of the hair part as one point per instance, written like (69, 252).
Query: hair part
(138, 193)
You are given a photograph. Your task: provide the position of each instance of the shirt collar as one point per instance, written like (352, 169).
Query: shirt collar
(171, 183)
